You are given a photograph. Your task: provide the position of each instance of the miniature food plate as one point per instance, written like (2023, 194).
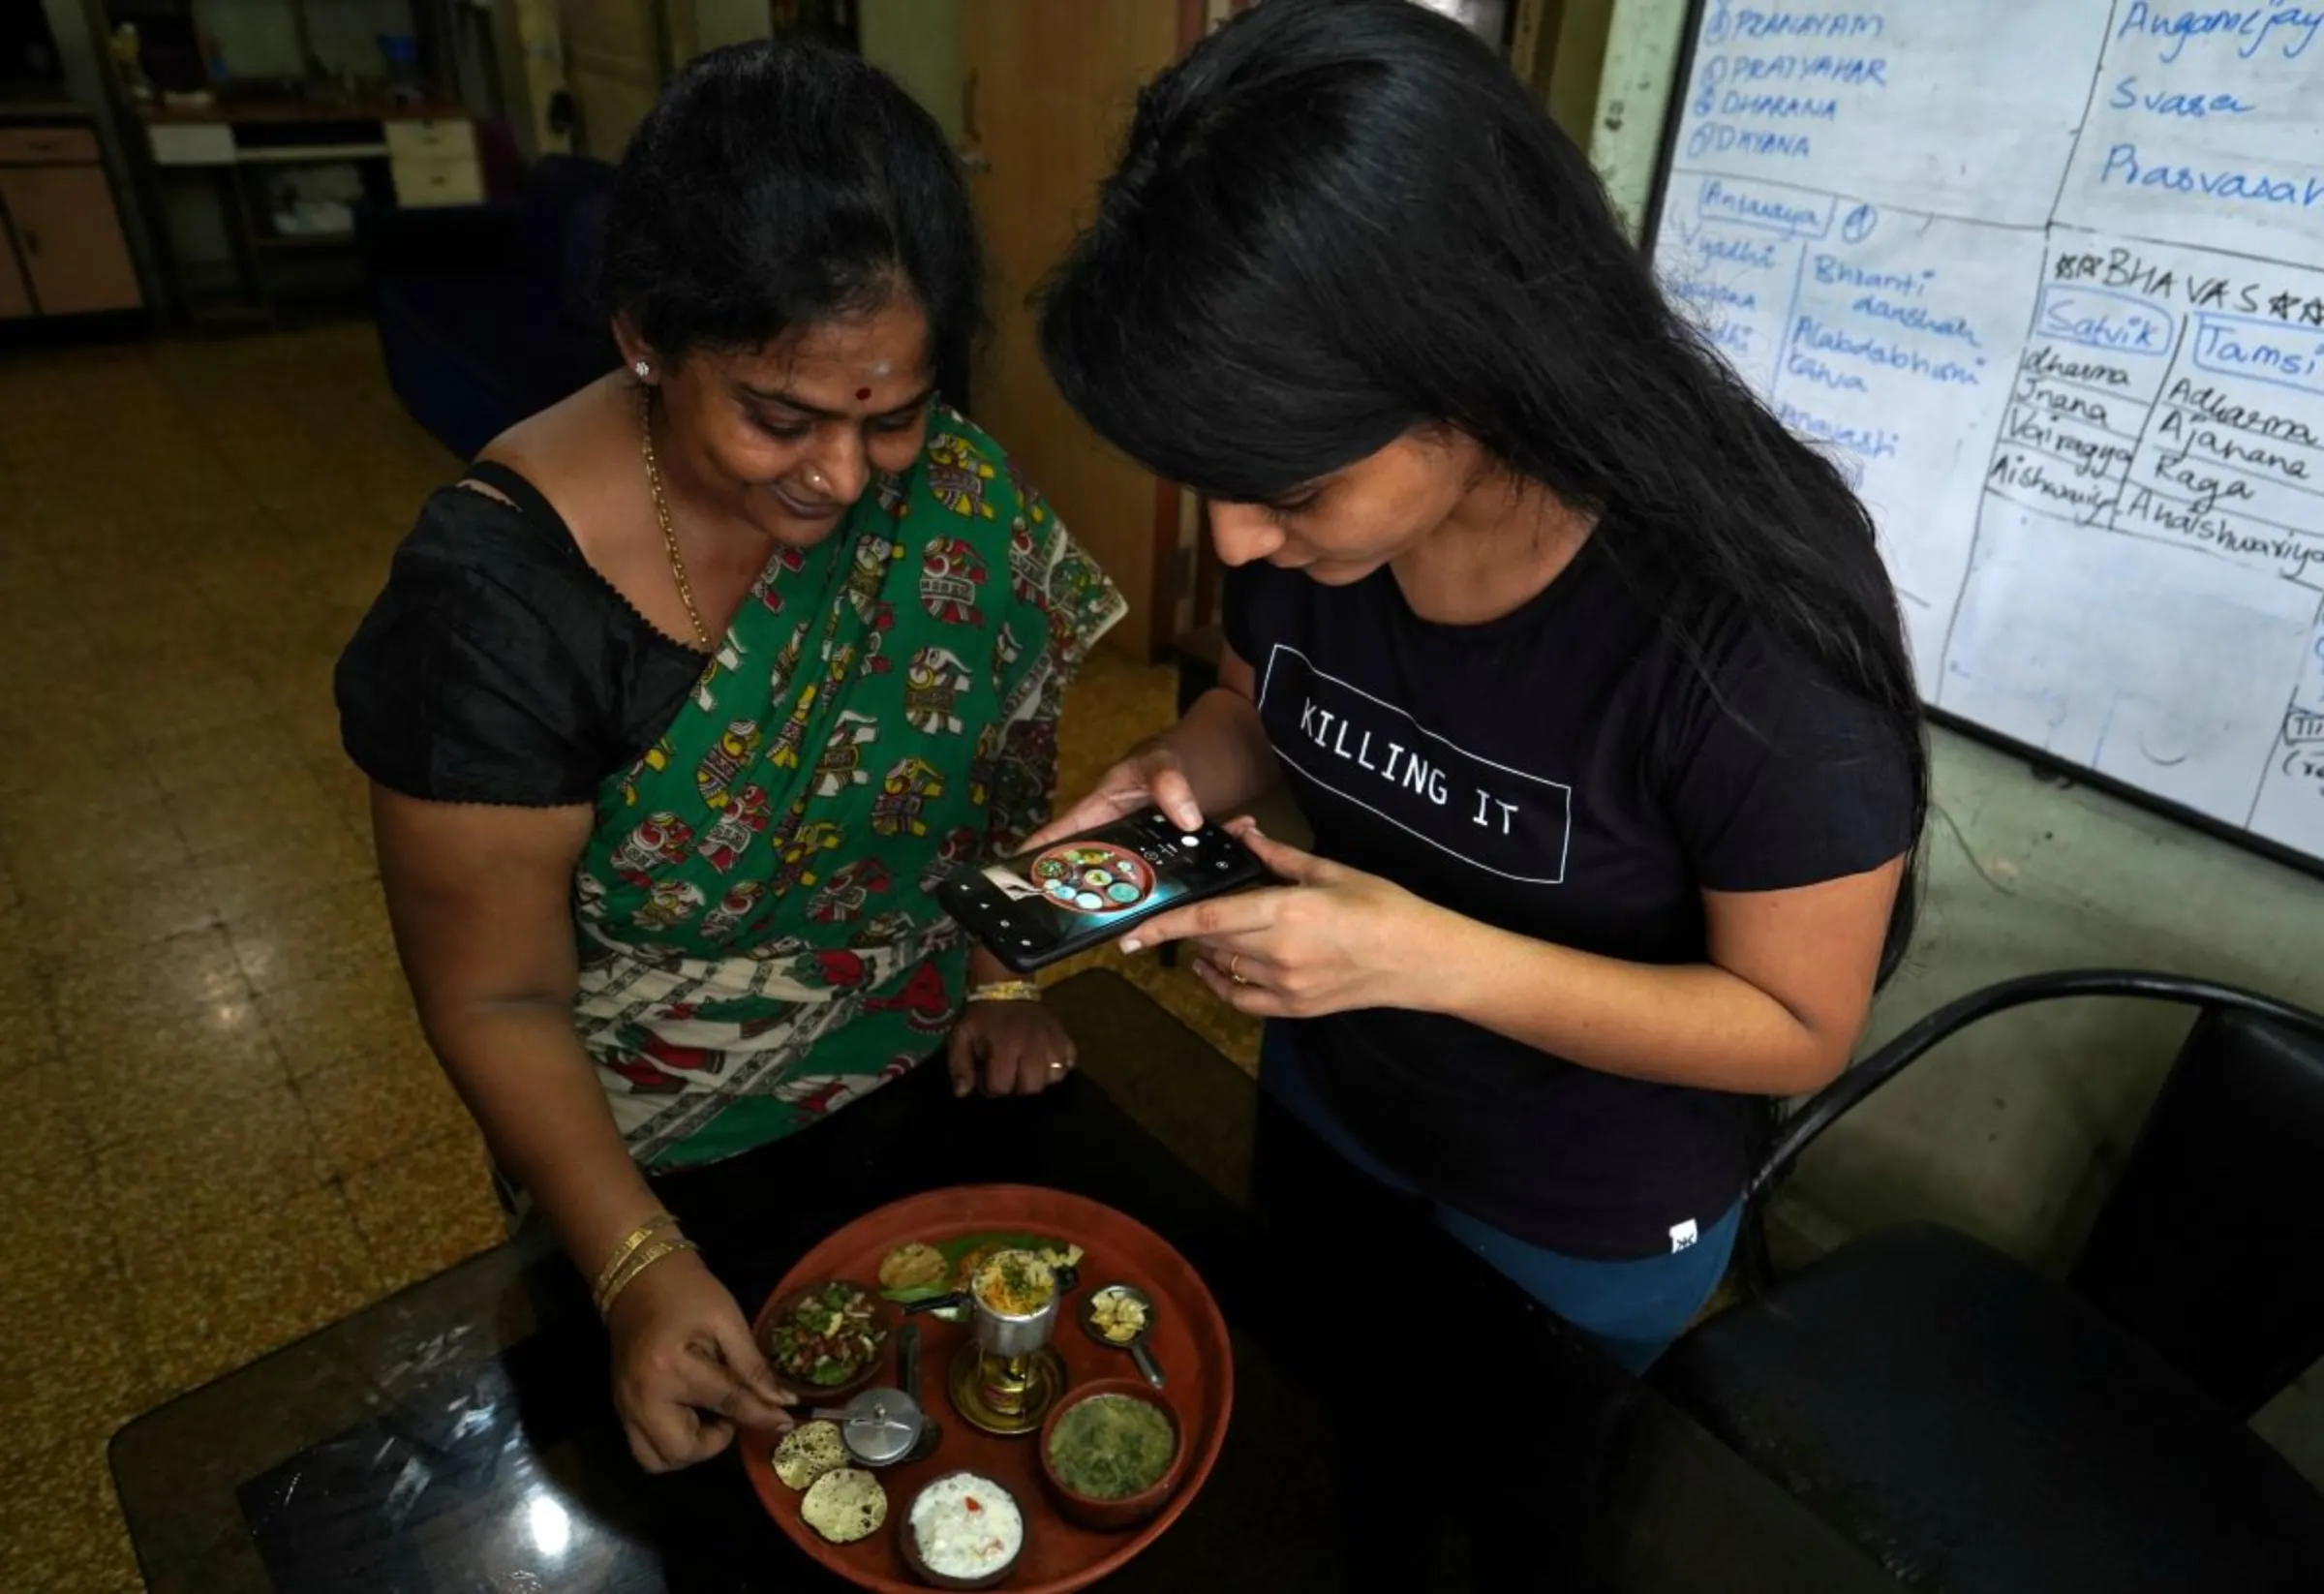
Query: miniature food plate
(1189, 1339)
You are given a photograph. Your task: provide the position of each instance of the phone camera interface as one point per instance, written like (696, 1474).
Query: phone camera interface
(1091, 878)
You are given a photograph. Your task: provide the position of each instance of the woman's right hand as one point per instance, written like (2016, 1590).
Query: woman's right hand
(1150, 777)
(685, 1370)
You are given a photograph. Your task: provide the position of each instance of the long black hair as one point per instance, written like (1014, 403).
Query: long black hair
(778, 184)
(1338, 220)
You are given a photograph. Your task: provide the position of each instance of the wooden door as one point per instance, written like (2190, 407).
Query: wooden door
(71, 237)
(529, 38)
(1047, 89)
(617, 54)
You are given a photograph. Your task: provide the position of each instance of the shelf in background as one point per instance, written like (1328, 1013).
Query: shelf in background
(306, 154)
(296, 244)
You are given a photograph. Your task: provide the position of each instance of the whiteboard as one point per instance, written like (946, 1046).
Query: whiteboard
(2033, 272)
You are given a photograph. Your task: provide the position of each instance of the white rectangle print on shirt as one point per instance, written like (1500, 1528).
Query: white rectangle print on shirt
(1375, 754)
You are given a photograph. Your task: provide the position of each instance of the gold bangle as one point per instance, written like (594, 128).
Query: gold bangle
(628, 1248)
(1005, 991)
(639, 1263)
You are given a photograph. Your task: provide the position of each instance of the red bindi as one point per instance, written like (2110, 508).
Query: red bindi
(862, 393)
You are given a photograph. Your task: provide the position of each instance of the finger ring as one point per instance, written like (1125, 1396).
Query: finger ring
(1059, 1065)
(1233, 969)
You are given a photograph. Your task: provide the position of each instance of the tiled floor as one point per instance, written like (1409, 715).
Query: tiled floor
(223, 1129)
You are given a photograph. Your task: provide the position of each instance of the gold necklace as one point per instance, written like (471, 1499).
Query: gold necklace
(669, 531)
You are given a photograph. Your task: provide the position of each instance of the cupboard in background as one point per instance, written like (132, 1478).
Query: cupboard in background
(62, 252)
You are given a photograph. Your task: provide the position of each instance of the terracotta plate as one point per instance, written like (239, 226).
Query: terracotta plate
(1189, 1340)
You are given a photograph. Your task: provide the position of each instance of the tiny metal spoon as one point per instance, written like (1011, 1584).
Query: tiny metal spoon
(1136, 1344)
(874, 1416)
(865, 1411)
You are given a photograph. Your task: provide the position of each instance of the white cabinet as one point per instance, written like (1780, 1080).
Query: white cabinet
(434, 163)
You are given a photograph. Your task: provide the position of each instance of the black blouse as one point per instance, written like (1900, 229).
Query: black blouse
(498, 667)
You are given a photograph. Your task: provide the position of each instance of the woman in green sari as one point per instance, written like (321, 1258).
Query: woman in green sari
(680, 703)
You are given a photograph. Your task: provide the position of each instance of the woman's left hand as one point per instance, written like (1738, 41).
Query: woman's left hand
(1013, 1048)
(1331, 940)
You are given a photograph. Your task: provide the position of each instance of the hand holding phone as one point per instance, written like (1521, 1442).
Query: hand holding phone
(1150, 777)
(1081, 891)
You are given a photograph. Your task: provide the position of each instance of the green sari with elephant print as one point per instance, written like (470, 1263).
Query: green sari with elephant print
(758, 941)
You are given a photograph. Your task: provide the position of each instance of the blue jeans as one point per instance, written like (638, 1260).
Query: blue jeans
(1632, 1309)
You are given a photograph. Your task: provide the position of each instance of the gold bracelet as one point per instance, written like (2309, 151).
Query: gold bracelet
(628, 1248)
(639, 1263)
(1005, 991)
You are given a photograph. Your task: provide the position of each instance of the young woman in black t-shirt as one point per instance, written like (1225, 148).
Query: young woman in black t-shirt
(1586, 673)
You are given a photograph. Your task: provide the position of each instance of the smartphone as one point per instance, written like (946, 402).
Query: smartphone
(1040, 906)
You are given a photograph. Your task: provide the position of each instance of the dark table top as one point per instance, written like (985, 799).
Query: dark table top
(459, 1436)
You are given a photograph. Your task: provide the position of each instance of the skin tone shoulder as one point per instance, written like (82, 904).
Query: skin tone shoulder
(1776, 1008)
(758, 448)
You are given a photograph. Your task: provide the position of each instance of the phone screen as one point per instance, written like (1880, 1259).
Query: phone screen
(1074, 893)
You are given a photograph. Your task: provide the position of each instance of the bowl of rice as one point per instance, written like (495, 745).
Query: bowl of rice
(962, 1531)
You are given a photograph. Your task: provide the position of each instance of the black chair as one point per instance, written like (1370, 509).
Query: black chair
(1981, 1428)
(488, 313)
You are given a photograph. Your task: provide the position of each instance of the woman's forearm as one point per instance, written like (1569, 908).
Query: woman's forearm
(1692, 1023)
(1224, 750)
(983, 969)
(531, 1090)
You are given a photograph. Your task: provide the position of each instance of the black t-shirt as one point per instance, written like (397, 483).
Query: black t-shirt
(1565, 773)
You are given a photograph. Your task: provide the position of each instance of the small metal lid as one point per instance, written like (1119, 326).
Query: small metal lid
(882, 1427)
